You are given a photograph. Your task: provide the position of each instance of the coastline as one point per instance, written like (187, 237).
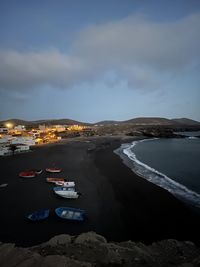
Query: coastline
(156, 177)
(120, 205)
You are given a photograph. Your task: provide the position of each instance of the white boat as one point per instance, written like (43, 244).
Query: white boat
(3, 185)
(67, 193)
(65, 184)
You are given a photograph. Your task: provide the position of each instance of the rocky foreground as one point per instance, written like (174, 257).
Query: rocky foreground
(90, 249)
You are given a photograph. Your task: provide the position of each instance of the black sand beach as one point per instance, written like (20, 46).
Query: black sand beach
(119, 204)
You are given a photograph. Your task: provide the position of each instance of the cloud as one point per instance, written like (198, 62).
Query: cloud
(141, 52)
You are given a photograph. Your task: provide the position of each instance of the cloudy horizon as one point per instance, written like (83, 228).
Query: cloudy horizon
(62, 61)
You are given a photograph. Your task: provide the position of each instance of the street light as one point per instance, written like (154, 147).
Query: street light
(9, 125)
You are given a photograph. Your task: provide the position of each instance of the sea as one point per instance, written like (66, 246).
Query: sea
(171, 163)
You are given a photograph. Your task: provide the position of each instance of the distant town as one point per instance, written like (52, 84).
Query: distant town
(19, 138)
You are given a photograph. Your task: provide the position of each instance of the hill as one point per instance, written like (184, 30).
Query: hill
(46, 122)
(150, 121)
(186, 121)
(143, 121)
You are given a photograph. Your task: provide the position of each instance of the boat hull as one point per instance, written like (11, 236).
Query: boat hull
(53, 170)
(63, 189)
(67, 194)
(65, 184)
(54, 180)
(27, 174)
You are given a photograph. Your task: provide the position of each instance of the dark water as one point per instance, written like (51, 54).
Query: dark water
(170, 163)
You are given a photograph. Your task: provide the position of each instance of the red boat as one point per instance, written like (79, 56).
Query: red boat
(55, 180)
(27, 174)
(37, 171)
(53, 170)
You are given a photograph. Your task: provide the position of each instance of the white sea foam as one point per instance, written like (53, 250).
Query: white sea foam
(158, 178)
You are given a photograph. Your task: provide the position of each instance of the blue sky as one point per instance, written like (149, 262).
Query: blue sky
(97, 60)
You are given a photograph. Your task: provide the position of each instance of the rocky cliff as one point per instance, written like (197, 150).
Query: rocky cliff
(90, 249)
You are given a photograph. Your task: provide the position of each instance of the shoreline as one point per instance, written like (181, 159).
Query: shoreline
(120, 205)
(160, 179)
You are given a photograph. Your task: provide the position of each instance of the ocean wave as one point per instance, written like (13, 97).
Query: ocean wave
(145, 171)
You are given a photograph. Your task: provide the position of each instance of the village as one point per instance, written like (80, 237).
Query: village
(20, 138)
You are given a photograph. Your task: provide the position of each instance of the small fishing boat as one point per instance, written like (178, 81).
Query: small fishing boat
(3, 185)
(62, 188)
(67, 193)
(55, 180)
(70, 213)
(66, 184)
(37, 171)
(38, 215)
(27, 174)
(53, 170)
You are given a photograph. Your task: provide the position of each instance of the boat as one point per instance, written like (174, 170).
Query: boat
(3, 185)
(27, 174)
(70, 213)
(62, 188)
(55, 180)
(66, 184)
(53, 170)
(38, 215)
(67, 193)
(37, 171)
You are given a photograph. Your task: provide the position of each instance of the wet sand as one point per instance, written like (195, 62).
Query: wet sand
(119, 204)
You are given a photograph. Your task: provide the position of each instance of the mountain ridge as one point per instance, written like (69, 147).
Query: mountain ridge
(135, 121)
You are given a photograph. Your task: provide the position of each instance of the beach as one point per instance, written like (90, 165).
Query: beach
(119, 204)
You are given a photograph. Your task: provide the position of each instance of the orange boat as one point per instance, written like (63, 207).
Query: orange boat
(27, 174)
(55, 180)
(53, 170)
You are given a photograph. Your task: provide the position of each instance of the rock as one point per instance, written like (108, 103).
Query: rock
(186, 265)
(58, 240)
(12, 256)
(92, 250)
(90, 237)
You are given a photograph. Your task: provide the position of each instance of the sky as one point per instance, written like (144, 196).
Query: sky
(92, 60)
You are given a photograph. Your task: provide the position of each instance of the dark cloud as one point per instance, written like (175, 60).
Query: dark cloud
(139, 51)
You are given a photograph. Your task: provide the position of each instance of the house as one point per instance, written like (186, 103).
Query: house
(3, 130)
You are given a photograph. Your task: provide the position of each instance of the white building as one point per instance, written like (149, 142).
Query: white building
(59, 128)
(6, 139)
(42, 127)
(5, 150)
(20, 128)
(23, 140)
(22, 148)
(3, 130)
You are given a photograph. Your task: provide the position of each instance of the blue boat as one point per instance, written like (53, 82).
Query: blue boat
(63, 188)
(38, 215)
(70, 213)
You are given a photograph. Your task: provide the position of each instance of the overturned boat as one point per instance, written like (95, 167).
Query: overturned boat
(38, 215)
(70, 213)
(53, 170)
(27, 174)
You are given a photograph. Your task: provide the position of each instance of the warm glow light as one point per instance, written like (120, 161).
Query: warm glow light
(9, 125)
(76, 128)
